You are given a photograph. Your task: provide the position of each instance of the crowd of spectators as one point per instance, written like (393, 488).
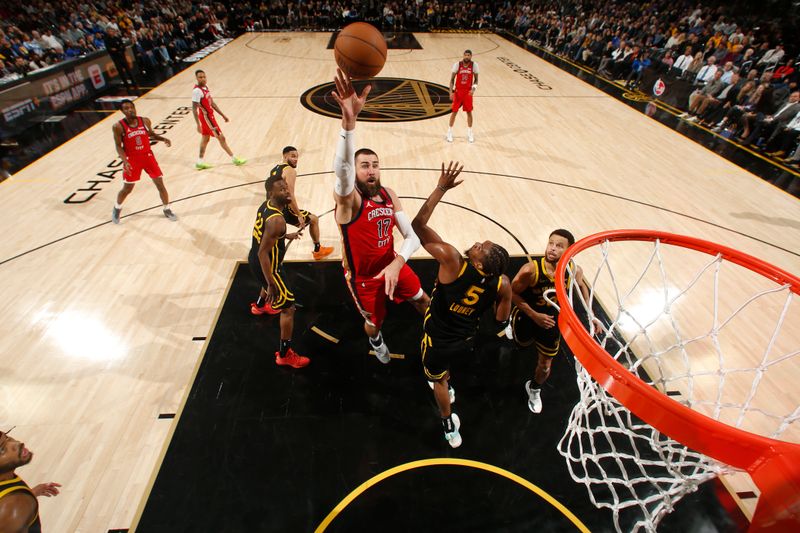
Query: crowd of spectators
(37, 34)
(731, 53)
(743, 81)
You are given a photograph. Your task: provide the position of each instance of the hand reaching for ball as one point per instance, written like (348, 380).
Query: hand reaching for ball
(350, 102)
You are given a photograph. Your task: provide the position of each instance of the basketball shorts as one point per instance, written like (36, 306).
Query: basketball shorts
(209, 128)
(147, 163)
(462, 99)
(437, 355)
(527, 333)
(292, 218)
(370, 297)
(285, 297)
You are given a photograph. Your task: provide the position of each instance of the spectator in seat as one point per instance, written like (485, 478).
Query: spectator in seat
(700, 98)
(682, 62)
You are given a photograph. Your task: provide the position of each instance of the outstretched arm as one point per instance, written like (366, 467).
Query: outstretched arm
(446, 254)
(351, 105)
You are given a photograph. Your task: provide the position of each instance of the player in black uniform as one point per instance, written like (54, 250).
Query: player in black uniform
(465, 287)
(265, 259)
(299, 218)
(533, 320)
(19, 510)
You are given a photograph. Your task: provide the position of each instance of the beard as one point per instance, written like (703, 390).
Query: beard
(368, 190)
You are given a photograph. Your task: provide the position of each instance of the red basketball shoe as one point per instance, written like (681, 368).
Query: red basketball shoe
(292, 359)
(264, 309)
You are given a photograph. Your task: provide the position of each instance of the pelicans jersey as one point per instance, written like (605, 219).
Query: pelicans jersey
(208, 124)
(465, 74)
(136, 144)
(368, 246)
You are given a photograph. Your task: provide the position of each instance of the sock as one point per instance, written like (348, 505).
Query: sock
(447, 424)
(376, 341)
(166, 206)
(200, 161)
(316, 247)
(285, 345)
(450, 129)
(469, 131)
(261, 301)
(117, 206)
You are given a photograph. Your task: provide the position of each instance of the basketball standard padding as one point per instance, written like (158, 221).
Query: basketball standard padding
(360, 50)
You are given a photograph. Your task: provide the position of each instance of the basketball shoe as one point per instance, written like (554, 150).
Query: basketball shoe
(292, 359)
(470, 137)
(203, 166)
(264, 309)
(115, 215)
(381, 351)
(534, 398)
(449, 136)
(454, 437)
(450, 391)
(169, 214)
(323, 252)
(238, 161)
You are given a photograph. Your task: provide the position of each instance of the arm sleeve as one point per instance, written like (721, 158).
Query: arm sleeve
(411, 242)
(455, 68)
(197, 95)
(344, 164)
(475, 68)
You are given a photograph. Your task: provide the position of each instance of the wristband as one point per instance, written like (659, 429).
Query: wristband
(443, 189)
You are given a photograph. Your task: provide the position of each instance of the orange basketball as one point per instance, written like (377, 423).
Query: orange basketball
(360, 50)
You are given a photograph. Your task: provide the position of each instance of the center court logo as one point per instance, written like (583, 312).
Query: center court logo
(391, 100)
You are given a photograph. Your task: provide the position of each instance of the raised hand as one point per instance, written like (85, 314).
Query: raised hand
(447, 179)
(349, 101)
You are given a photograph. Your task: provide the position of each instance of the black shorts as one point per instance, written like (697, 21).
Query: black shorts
(436, 355)
(292, 218)
(527, 333)
(285, 297)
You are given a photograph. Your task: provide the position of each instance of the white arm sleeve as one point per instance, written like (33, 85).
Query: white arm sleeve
(197, 95)
(411, 242)
(344, 164)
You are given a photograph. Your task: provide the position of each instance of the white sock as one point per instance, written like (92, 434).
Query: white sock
(469, 131)
(166, 206)
(117, 206)
(377, 341)
(450, 129)
(200, 161)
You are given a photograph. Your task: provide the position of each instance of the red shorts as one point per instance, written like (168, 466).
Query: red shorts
(370, 294)
(147, 163)
(209, 129)
(462, 99)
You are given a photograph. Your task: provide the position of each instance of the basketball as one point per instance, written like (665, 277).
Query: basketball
(360, 50)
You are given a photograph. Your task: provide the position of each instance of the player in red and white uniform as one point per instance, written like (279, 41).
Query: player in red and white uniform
(367, 214)
(463, 82)
(132, 137)
(203, 108)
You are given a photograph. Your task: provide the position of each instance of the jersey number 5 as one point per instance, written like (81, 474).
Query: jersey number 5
(472, 295)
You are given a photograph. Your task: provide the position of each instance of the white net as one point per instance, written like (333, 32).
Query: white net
(709, 333)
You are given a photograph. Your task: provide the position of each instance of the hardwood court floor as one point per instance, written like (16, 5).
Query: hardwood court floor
(99, 320)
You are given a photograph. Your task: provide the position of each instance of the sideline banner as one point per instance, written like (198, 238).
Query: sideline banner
(32, 99)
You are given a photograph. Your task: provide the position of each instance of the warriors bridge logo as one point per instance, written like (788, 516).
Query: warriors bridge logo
(391, 100)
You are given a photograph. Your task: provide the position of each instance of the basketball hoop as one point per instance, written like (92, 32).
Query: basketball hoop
(722, 334)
